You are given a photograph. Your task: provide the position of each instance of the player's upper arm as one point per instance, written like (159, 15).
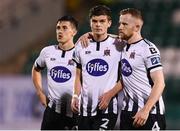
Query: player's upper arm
(40, 63)
(152, 58)
(157, 75)
(76, 56)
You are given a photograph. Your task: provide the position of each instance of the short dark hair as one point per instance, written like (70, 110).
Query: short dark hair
(100, 10)
(134, 12)
(69, 18)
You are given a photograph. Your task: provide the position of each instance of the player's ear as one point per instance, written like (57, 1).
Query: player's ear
(74, 31)
(109, 23)
(137, 28)
(138, 25)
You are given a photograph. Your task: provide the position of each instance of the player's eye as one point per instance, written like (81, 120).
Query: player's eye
(102, 21)
(94, 21)
(65, 27)
(58, 27)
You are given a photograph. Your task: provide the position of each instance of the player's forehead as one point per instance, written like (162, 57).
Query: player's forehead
(100, 17)
(63, 23)
(126, 18)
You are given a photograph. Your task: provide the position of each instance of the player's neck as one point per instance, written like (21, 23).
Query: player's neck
(134, 38)
(66, 46)
(97, 37)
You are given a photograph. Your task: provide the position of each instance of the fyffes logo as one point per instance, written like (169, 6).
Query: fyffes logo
(60, 74)
(97, 67)
(126, 68)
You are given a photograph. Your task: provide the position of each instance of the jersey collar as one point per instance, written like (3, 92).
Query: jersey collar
(100, 41)
(57, 47)
(136, 41)
(128, 45)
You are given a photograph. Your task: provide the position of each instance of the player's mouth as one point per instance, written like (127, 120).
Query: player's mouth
(98, 30)
(121, 33)
(60, 36)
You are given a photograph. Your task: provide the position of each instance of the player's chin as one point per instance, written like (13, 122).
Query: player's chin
(121, 35)
(61, 40)
(98, 32)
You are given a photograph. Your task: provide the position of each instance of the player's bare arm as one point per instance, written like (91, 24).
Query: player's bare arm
(158, 78)
(77, 90)
(37, 80)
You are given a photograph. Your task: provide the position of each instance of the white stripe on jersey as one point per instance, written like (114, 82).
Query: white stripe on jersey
(60, 76)
(99, 61)
(138, 60)
(130, 104)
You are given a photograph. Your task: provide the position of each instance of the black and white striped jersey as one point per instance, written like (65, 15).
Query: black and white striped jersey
(61, 71)
(99, 63)
(137, 61)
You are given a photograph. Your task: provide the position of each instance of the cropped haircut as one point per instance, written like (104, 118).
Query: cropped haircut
(69, 18)
(100, 10)
(134, 12)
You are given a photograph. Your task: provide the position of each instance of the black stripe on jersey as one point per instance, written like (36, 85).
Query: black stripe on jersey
(63, 106)
(149, 76)
(97, 46)
(157, 107)
(119, 72)
(79, 66)
(126, 98)
(63, 54)
(64, 103)
(110, 106)
(38, 67)
(150, 79)
(89, 105)
(81, 107)
(135, 105)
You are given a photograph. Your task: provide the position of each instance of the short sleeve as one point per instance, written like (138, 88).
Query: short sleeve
(152, 58)
(40, 61)
(76, 56)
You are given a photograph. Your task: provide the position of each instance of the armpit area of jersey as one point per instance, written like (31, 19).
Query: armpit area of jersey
(38, 68)
(77, 64)
(154, 68)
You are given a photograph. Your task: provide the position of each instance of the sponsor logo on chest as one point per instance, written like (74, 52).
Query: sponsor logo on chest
(126, 68)
(60, 74)
(97, 67)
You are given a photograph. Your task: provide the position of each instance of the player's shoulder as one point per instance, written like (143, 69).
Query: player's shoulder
(49, 48)
(149, 47)
(148, 44)
(117, 42)
(78, 46)
(112, 37)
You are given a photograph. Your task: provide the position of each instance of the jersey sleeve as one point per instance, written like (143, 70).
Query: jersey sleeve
(152, 58)
(40, 61)
(76, 56)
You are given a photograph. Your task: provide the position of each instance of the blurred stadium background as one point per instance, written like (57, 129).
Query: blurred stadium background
(26, 26)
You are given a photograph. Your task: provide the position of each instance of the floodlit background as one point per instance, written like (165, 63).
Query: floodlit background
(26, 26)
